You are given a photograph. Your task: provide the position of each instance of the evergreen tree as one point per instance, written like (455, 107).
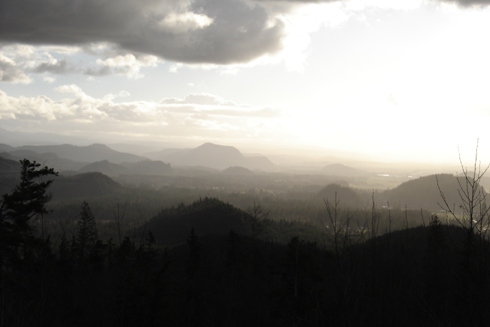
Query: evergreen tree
(86, 232)
(26, 201)
(194, 254)
(435, 271)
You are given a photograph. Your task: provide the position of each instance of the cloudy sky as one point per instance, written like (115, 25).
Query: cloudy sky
(400, 79)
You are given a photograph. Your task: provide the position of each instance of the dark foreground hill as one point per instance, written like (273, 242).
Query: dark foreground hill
(425, 276)
(206, 216)
(220, 273)
(416, 277)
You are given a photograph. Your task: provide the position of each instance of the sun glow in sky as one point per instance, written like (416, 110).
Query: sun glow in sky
(398, 80)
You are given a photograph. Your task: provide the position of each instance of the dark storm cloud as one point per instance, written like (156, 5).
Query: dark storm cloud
(236, 30)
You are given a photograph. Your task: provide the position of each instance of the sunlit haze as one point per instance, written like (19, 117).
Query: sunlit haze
(388, 80)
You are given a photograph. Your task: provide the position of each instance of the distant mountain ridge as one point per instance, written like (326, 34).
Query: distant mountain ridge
(145, 167)
(46, 158)
(213, 156)
(37, 138)
(67, 156)
(74, 157)
(89, 153)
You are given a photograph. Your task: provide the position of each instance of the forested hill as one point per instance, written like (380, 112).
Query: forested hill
(424, 193)
(83, 186)
(105, 167)
(144, 167)
(345, 195)
(206, 216)
(211, 264)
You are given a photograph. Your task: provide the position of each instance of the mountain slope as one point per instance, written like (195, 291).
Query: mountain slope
(9, 166)
(145, 167)
(345, 196)
(90, 153)
(423, 192)
(86, 185)
(207, 216)
(105, 167)
(5, 147)
(47, 158)
(213, 156)
(148, 167)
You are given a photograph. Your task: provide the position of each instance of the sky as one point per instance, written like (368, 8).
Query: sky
(396, 80)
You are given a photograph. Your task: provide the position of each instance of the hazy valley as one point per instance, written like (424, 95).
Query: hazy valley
(183, 231)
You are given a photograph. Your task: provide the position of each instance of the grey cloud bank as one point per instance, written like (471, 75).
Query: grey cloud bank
(10, 72)
(59, 67)
(219, 31)
(200, 31)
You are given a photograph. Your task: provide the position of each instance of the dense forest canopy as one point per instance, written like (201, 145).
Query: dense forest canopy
(123, 253)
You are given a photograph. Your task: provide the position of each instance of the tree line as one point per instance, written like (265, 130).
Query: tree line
(432, 275)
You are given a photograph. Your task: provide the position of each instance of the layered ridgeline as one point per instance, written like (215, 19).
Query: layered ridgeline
(212, 156)
(91, 158)
(209, 263)
(67, 156)
(101, 158)
(145, 167)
